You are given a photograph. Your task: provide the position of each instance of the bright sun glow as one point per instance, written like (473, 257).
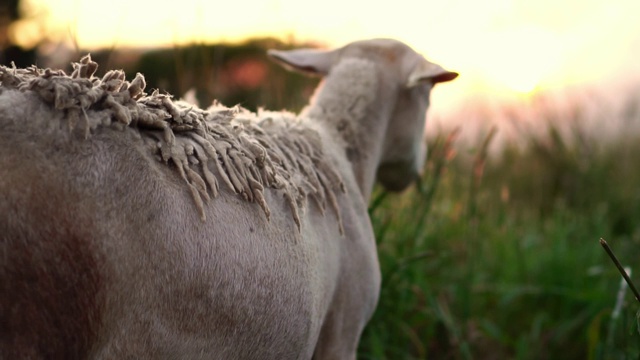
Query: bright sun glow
(499, 46)
(522, 59)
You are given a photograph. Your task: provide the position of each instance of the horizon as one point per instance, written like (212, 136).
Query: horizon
(505, 51)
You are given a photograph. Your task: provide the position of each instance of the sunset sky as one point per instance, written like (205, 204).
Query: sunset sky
(500, 47)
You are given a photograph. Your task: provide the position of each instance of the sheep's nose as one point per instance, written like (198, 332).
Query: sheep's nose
(397, 176)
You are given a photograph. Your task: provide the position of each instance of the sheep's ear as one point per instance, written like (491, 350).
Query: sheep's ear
(428, 71)
(309, 61)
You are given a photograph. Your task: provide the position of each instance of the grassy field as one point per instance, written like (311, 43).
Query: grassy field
(497, 257)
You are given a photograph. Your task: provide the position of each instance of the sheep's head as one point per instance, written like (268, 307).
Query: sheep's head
(404, 149)
(407, 79)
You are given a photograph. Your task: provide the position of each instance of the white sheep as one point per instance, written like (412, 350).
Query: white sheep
(104, 255)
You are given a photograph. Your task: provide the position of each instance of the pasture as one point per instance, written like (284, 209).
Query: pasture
(493, 254)
(497, 257)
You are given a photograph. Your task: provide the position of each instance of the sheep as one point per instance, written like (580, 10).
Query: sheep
(135, 226)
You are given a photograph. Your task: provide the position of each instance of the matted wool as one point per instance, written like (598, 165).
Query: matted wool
(245, 151)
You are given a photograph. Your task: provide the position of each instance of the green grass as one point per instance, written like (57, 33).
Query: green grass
(498, 257)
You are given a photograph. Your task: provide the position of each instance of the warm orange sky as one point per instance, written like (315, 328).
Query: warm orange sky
(501, 47)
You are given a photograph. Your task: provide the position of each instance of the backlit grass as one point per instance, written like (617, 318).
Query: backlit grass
(498, 257)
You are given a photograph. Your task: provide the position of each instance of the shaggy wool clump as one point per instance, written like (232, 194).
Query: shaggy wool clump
(249, 152)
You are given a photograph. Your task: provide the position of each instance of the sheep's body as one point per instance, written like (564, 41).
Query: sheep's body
(105, 255)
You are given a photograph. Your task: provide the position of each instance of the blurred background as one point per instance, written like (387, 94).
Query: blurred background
(534, 150)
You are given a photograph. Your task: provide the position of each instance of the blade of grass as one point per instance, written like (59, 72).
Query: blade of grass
(613, 257)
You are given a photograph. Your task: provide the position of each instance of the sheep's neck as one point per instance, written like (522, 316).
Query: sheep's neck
(353, 107)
